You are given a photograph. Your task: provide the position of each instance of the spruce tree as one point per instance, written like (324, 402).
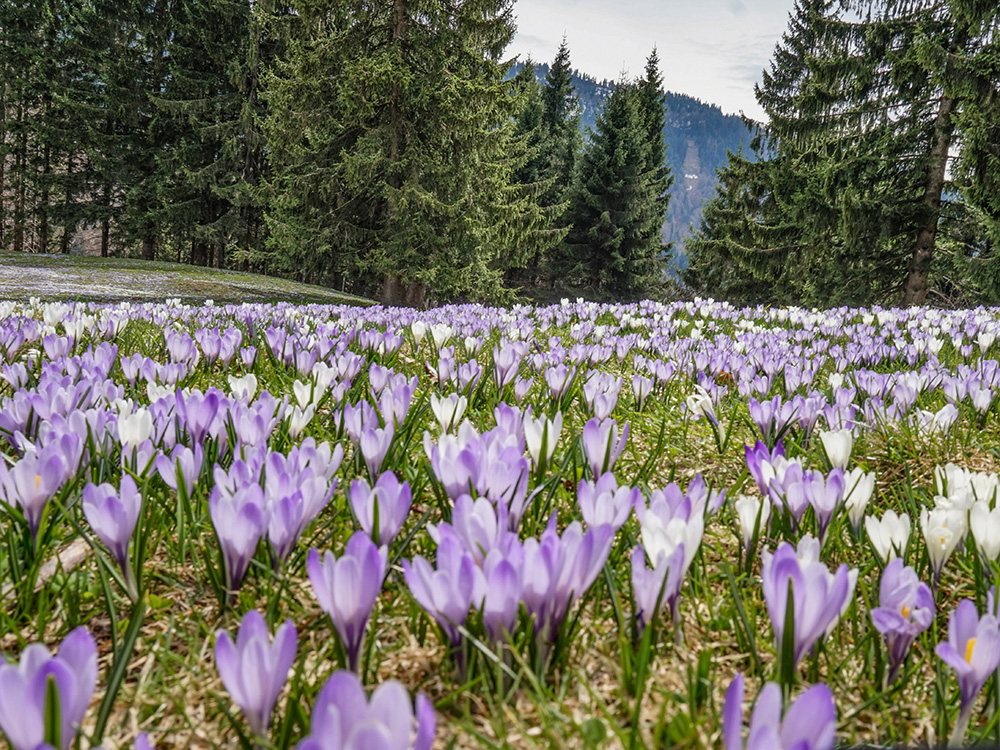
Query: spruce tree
(863, 112)
(617, 208)
(390, 133)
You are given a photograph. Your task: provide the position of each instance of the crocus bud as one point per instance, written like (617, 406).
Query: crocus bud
(837, 444)
(253, 669)
(888, 535)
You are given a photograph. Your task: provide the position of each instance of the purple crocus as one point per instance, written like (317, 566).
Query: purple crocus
(448, 591)
(810, 723)
(825, 495)
(558, 570)
(113, 516)
(254, 669)
(347, 589)
(906, 609)
(973, 651)
(388, 502)
(23, 688)
(239, 524)
(30, 483)
(344, 719)
(602, 444)
(660, 585)
(819, 595)
(181, 467)
(504, 573)
(605, 503)
(374, 444)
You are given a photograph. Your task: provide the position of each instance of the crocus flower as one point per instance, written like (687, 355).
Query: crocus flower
(254, 669)
(810, 723)
(348, 588)
(374, 444)
(837, 444)
(943, 529)
(389, 501)
(973, 651)
(559, 570)
(504, 571)
(113, 516)
(602, 444)
(890, 535)
(448, 591)
(30, 483)
(605, 503)
(824, 495)
(23, 688)
(748, 510)
(344, 719)
(661, 584)
(239, 524)
(700, 405)
(819, 595)
(448, 410)
(539, 433)
(905, 610)
(858, 488)
(985, 526)
(181, 467)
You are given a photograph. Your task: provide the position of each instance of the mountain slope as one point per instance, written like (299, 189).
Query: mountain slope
(697, 136)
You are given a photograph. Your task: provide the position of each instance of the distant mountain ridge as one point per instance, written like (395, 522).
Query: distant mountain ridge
(697, 135)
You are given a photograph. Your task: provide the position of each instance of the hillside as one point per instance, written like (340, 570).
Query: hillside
(697, 135)
(88, 279)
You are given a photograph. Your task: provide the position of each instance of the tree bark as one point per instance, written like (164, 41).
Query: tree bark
(915, 290)
(396, 292)
(70, 226)
(148, 245)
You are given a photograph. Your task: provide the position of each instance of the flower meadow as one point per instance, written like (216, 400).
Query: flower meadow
(582, 525)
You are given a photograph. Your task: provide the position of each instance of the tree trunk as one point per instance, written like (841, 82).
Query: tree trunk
(3, 161)
(915, 292)
(106, 221)
(395, 292)
(20, 160)
(70, 226)
(43, 204)
(148, 245)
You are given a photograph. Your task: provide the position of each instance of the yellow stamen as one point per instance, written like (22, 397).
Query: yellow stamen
(905, 611)
(968, 650)
(38, 481)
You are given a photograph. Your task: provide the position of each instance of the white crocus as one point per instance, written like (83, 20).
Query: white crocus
(837, 444)
(419, 329)
(859, 486)
(888, 535)
(700, 404)
(985, 526)
(539, 431)
(243, 388)
(157, 392)
(748, 509)
(303, 392)
(299, 418)
(661, 540)
(135, 428)
(943, 530)
(440, 333)
(448, 410)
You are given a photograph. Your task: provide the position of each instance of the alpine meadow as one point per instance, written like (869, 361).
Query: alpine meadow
(365, 386)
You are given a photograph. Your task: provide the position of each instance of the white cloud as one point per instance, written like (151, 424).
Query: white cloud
(714, 50)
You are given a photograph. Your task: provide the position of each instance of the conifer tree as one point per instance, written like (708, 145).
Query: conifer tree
(617, 208)
(863, 112)
(390, 133)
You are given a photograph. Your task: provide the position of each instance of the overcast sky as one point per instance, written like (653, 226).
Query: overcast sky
(714, 50)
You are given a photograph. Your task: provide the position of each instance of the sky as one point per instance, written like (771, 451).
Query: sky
(713, 50)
